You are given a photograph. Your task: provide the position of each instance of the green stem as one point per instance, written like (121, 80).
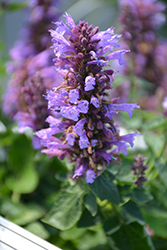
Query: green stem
(15, 197)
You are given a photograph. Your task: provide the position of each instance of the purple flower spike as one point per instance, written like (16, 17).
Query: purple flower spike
(84, 109)
(31, 68)
(89, 83)
(74, 96)
(83, 106)
(90, 176)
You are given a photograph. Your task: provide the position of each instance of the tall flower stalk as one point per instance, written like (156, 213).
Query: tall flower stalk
(84, 110)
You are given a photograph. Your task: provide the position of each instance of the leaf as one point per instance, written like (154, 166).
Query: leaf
(15, 6)
(66, 211)
(38, 229)
(156, 142)
(111, 225)
(132, 237)
(25, 183)
(141, 196)
(131, 213)
(72, 233)
(90, 203)
(105, 189)
(19, 213)
(20, 153)
(87, 220)
(162, 169)
(157, 122)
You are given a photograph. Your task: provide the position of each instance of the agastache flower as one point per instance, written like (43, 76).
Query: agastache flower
(139, 169)
(32, 70)
(85, 113)
(140, 20)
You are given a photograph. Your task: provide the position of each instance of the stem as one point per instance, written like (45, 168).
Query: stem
(15, 197)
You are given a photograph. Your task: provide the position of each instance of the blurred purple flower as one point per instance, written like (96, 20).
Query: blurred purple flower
(32, 69)
(138, 169)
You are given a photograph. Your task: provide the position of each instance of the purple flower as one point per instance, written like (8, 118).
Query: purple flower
(70, 112)
(70, 139)
(84, 110)
(83, 106)
(94, 101)
(84, 141)
(32, 69)
(90, 176)
(74, 96)
(80, 170)
(89, 83)
(139, 169)
(78, 128)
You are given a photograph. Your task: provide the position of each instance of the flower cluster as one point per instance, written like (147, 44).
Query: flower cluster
(84, 110)
(140, 20)
(32, 70)
(138, 169)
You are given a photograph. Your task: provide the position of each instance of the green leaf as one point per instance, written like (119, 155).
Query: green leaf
(131, 213)
(15, 6)
(26, 182)
(123, 172)
(112, 225)
(155, 142)
(90, 203)
(66, 212)
(19, 213)
(38, 229)
(141, 196)
(72, 233)
(87, 220)
(162, 168)
(20, 153)
(105, 189)
(157, 122)
(132, 237)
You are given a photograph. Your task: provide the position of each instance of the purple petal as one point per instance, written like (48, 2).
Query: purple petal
(69, 21)
(70, 139)
(36, 143)
(94, 142)
(94, 101)
(80, 170)
(71, 113)
(74, 96)
(89, 83)
(84, 141)
(90, 176)
(128, 107)
(129, 138)
(117, 55)
(83, 106)
(78, 128)
(105, 155)
(24, 120)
